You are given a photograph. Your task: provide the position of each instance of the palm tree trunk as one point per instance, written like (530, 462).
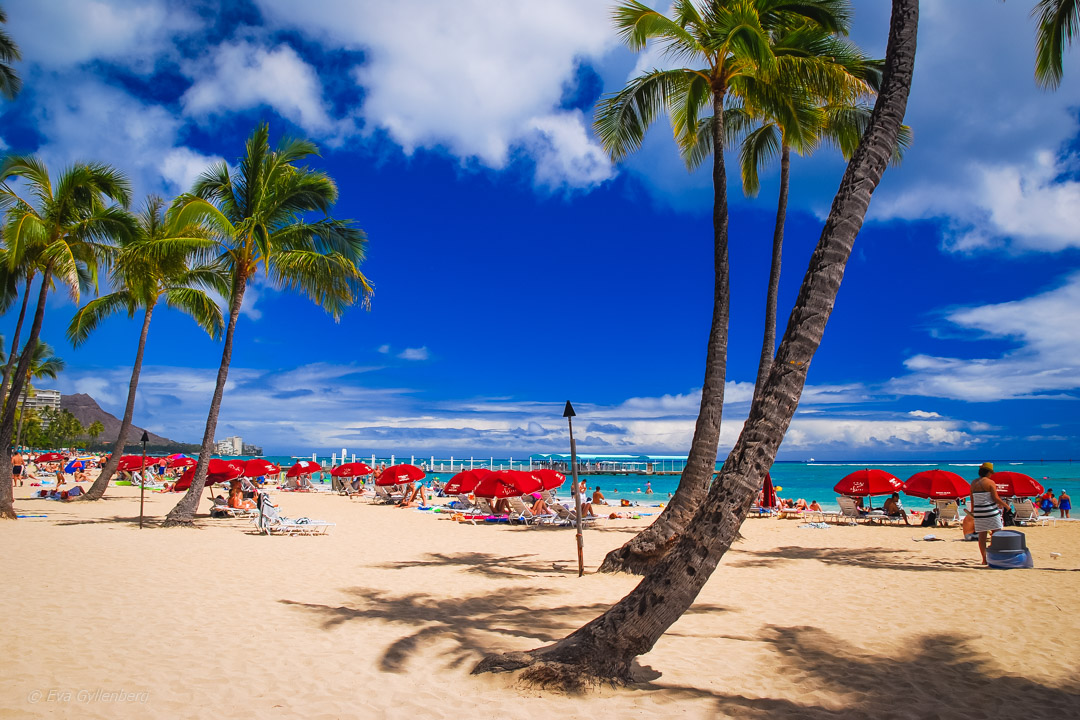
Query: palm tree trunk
(768, 343)
(182, 514)
(15, 340)
(22, 416)
(101, 482)
(605, 648)
(647, 547)
(7, 417)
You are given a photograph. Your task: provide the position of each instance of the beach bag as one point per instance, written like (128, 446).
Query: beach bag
(930, 518)
(1008, 517)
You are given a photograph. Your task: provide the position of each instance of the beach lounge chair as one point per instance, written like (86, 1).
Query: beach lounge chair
(270, 522)
(848, 514)
(565, 515)
(521, 512)
(948, 511)
(1028, 514)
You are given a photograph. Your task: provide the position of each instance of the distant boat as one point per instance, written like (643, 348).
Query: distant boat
(810, 460)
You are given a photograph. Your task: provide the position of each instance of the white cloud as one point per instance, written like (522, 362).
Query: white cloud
(420, 353)
(61, 33)
(384, 349)
(86, 119)
(474, 77)
(923, 414)
(1044, 363)
(243, 75)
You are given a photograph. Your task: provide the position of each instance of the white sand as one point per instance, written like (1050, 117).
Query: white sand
(387, 615)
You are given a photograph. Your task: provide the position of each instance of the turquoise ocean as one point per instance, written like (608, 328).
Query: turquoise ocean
(809, 480)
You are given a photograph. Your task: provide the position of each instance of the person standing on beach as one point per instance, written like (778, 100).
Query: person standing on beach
(17, 463)
(986, 506)
(1064, 504)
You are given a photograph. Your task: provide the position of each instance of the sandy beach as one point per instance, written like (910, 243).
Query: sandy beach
(386, 616)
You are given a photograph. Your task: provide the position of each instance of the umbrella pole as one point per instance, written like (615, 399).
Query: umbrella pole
(569, 413)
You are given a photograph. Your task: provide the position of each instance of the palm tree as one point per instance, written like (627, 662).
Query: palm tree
(43, 364)
(605, 648)
(10, 83)
(258, 214)
(154, 265)
(1059, 23)
(66, 226)
(728, 41)
(95, 429)
(9, 279)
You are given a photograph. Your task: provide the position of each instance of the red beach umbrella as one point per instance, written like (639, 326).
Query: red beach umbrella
(130, 463)
(303, 467)
(768, 493)
(228, 472)
(184, 462)
(50, 457)
(400, 475)
(464, 482)
(496, 485)
(551, 478)
(257, 466)
(1014, 484)
(353, 469)
(228, 469)
(869, 482)
(524, 481)
(937, 484)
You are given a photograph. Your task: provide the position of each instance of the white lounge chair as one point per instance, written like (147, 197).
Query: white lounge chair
(270, 522)
(1028, 514)
(948, 511)
(848, 514)
(565, 515)
(520, 511)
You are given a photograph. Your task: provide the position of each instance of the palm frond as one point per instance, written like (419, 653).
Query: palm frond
(1058, 22)
(90, 316)
(199, 306)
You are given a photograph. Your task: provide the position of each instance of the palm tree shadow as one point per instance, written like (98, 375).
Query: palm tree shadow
(867, 557)
(498, 566)
(941, 676)
(474, 625)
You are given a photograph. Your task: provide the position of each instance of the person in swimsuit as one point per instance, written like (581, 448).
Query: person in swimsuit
(16, 468)
(1064, 504)
(986, 506)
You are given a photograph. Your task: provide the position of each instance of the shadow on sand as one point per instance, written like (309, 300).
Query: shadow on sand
(939, 676)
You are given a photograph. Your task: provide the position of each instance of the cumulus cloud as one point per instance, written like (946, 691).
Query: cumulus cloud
(242, 75)
(1043, 364)
(476, 77)
(83, 118)
(420, 353)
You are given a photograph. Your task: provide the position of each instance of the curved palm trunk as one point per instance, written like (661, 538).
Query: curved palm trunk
(182, 514)
(7, 418)
(22, 415)
(647, 547)
(101, 482)
(15, 340)
(768, 343)
(606, 647)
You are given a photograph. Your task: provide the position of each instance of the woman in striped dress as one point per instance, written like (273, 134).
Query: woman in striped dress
(986, 506)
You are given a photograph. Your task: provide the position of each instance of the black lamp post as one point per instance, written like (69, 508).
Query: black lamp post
(142, 478)
(569, 413)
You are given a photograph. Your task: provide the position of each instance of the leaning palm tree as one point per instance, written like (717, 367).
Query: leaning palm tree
(165, 261)
(10, 83)
(43, 364)
(723, 43)
(67, 226)
(1058, 23)
(604, 649)
(259, 216)
(9, 278)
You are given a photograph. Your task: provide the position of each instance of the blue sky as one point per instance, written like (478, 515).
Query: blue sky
(515, 267)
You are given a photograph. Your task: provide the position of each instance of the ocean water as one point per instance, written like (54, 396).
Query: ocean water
(812, 481)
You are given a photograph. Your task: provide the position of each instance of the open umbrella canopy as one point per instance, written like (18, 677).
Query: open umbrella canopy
(550, 478)
(464, 482)
(181, 462)
(526, 482)
(131, 463)
(353, 469)
(257, 466)
(869, 482)
(937, 484)
(73, 466)
(400, 475)
(303, 467)
(225, 469)
(50, 457)
(496, 485)
(1014, 484)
